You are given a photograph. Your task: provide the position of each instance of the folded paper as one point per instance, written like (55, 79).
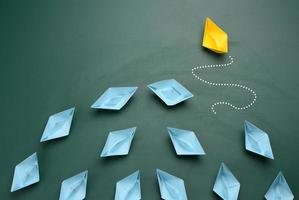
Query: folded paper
(226, 185)
(171, 187)
(185, 142)
(170, 91)
(129, 188)
(118, 142)
(114, 98)
(58, 125)
(279, 189)
(214, 37)
(74, 188)
(26, 173)
(257, 141)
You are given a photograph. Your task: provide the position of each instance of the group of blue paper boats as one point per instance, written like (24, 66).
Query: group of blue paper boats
(118, 143)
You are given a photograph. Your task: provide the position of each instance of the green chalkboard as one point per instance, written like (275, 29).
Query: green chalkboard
(62, 53)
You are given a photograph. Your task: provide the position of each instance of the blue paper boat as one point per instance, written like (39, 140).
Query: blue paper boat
(185, 142)
(58, 125)
(118, 142)
(26, 173)
(279, 189)
(129, 188)
(170, 91)
(74, 188)
(226, 184)
(171, 187)
(114, 98)
(257, 141)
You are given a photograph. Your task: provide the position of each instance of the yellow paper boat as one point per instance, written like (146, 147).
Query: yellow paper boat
(214, 37)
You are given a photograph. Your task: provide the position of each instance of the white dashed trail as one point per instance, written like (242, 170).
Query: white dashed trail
(231, 61)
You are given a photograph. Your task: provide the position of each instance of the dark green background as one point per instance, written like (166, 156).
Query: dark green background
(61, 53)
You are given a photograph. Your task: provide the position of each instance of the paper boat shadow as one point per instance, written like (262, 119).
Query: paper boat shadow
(105, 112)
(159, 102)
(216, 196)
(221, 57)
(22, 192)
(110, 160)
(254, 156)
(50, 143)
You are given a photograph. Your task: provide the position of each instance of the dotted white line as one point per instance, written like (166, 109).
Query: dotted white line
(224, 84)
